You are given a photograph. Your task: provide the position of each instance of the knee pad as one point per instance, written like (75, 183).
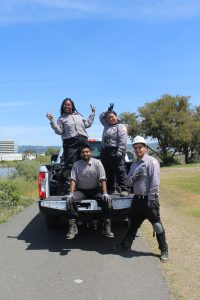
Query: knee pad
(158, 228)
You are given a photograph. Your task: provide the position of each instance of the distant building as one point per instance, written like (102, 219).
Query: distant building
(8, 147)
(11, 156)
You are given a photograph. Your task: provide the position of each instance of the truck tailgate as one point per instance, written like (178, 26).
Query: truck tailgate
(59, 204)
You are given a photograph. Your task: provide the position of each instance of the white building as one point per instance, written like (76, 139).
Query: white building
(8, 147)
(11, 156)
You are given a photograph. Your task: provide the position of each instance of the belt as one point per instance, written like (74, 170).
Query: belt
(144, 197)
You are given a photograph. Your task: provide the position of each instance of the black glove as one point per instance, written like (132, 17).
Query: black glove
(137, 175)
(119, 154)
(110, 108)
(153, 204)
(106, 198)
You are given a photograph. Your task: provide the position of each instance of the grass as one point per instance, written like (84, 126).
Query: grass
(28, 195)
(26, 186)
(184, 187)
(180, 214)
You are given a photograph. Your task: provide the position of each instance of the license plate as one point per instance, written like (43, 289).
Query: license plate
(61, 205)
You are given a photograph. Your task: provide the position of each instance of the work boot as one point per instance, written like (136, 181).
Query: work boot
(107, 229)
(164, 257)
(119, 247)
(126, 243)
(72, 230)
(124, 194)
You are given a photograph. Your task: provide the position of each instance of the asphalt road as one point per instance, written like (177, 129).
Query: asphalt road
(39, 264)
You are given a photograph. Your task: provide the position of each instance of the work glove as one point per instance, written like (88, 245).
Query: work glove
(71, 205)
(70, 197)
(137, 175)
(106, 198)
(119, 154)
(110, 108)
(153, 204)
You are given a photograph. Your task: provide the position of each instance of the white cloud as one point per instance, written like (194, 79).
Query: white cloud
(23, 11)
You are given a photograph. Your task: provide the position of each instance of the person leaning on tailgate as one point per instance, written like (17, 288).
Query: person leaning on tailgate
(88, 180)
(144, 177)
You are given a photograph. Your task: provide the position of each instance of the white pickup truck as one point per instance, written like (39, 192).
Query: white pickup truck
(52, 204)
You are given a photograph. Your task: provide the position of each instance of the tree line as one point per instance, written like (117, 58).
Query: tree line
(172, 122)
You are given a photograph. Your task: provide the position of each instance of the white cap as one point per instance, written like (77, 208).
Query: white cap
(139, 140)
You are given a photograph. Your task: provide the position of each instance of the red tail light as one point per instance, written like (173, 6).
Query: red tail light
(42, 185)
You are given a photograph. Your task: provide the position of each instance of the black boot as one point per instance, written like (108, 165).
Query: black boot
(164, 256)
(107, 229)
(126, 243)
(162, 241)
(72, 230)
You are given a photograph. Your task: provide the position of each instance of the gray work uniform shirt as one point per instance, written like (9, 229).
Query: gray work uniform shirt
(149, 182)
(71, 125)
(113, 135)
(88, 174)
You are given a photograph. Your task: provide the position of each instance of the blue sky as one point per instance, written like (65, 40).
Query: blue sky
(96, 52)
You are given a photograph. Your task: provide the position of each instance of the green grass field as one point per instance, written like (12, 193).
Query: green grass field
(180, 188)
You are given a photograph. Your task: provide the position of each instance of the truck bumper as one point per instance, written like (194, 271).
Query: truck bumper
(54, 205)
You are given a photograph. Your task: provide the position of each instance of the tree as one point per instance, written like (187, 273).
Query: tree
(132, 122)
(166, 120)
(191, 147)
(50, 151)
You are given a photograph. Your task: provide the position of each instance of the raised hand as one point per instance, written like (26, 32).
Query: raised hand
(93, 108)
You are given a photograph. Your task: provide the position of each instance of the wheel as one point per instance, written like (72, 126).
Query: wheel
(52, 221)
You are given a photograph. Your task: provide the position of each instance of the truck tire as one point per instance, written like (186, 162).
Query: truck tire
(52, 221)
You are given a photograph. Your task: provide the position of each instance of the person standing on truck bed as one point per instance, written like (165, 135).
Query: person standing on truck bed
(72, 128)
(88, 180)
(144, 177)
(113, 151)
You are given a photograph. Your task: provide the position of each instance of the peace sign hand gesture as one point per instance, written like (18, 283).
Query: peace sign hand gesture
(93, 108)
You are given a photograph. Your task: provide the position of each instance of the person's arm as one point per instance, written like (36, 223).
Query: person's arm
(129, 176)
(154, 173)
(102, 179)
(105, 196)
(50, 116)
(103, 186)
(58, 128)
(102, 118)
(88, 123)
(72, 186)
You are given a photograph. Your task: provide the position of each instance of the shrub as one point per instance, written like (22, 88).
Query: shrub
(28, 169)
(43, 159)
(9, 194)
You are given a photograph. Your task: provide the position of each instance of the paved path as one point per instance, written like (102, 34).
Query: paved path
(39, 264)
